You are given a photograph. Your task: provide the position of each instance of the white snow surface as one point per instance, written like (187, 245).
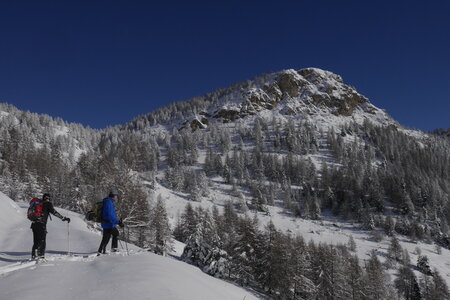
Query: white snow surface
(83, 275)
(3, 113)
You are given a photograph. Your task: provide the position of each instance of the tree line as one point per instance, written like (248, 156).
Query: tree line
(234, 247)
(370, 168)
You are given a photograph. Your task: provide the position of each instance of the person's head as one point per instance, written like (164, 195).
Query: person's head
(46, 197)
(113, 194)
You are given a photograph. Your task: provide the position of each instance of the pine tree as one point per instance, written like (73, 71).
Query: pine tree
(258, 136)
(227, 225)
(287, 201)
(203, 247)
(354, 278)
(439, 288)
(244, 253)
(389, 226)
(272, 262)
(133, 205)
(406, 259)
(395, 251)
(329, 273)
(187, 224)
(161, 235)
(426, 286)
(301, 263)
(406, 284)
(423, 265)
(351, 244)
(375, 280)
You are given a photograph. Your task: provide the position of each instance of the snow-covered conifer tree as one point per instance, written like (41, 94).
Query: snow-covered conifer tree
(160, 233)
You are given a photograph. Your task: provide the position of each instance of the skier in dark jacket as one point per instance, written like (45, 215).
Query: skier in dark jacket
(109, 223)
(39, 227)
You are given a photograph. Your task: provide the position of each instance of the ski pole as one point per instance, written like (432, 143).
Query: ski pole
(68, 238)
(128, 239)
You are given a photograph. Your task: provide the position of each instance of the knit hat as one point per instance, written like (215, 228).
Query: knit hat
(113, 193)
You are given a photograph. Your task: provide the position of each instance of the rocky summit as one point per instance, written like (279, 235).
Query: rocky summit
(288, 92)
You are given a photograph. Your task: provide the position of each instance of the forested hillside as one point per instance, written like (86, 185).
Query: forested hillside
(302, 141)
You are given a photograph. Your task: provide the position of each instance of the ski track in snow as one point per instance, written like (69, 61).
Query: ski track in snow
(16, 266)
(51, 260)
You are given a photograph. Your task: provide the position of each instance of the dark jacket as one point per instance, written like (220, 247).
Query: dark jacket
(109, 215)
(47, 209)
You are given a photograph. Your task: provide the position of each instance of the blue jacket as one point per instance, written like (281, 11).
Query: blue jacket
(109, 215)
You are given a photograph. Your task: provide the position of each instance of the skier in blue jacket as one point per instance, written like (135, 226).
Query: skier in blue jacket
(109, 223)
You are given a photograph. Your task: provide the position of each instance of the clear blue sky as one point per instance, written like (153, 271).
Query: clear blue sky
(102, 63)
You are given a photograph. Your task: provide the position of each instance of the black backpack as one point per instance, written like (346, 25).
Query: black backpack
(95, 214)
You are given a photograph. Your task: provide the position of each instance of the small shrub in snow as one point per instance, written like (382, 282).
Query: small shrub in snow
(376, 236)
(438, 249)
(351, 244)
(417, 251)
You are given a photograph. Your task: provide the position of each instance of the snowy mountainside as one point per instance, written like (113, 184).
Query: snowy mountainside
(42, 130)
(316, 102)
(331, 230)
(306, 93)
(299, 149)
(141, 275)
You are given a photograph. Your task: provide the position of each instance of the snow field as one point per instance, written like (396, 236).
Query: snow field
(140, 275)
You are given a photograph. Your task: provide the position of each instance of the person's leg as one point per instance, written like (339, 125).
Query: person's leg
(105, 240)
(40, 233)
(35, 241)
(44, 240)
(115, 234)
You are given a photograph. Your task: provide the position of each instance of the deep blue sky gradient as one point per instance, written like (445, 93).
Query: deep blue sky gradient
(103, 63)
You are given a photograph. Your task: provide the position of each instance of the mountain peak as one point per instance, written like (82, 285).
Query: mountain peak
(291, 92)
(311, 73)
(304, 93)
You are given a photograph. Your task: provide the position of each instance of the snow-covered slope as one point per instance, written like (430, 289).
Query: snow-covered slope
(141, 275)
(12, 212)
